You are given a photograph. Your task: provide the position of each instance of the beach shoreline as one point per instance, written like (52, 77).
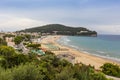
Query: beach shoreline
(88, 53)
(80, 57)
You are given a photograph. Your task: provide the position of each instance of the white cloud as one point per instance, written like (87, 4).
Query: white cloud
(103, 19)
(107, 29)
(12, 23)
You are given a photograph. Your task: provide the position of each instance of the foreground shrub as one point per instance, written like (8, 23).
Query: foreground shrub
(27, 72)
(50, 68)
(9, 58)
(2, 42)
(111, 69)
(7, 51)
(17, 59)
(83, 72)
(5, 74)
(67, 73)
(57, 69)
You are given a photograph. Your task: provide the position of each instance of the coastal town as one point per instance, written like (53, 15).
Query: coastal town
(59, 40)
(26, 42)
(34, 38)
(37, 43)
(10, 36)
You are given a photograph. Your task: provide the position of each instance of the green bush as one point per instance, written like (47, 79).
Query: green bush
(17, 59)
(27, 37)
(111, 69)
(83, 72)
(66, 74)
(18, 39)
(22, 72)
(49, 67)
(58, 69)
(2, 42)
(9, 58)
(98, 76)
(27, 72)
(5, 74)
(7, 51)
(34, 46)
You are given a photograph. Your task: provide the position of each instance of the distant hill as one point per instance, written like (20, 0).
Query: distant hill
(61, 30)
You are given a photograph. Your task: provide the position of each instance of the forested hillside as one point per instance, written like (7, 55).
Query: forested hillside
(61, 30)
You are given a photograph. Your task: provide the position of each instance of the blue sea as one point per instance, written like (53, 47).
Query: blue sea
(106, 46)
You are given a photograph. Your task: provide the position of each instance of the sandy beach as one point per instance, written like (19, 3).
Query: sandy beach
(75, 55)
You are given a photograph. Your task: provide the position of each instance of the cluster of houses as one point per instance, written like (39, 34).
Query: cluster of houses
(9, 38)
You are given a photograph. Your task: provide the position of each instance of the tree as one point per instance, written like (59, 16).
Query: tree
(9, 58)
(14, 61)
(18, 39)
(8, 35)
(2, 42)
(111, 69)
(27, 37)
(34, 46)
(7, 51)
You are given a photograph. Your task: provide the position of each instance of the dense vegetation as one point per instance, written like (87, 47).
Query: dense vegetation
(34, 46)
(16, 66)
(61, 30)
(2, 42)
(8, 35)
(111, 69)
(18, 39)
(10, 58)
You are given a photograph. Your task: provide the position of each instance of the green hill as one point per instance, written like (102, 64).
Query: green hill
(62, 30)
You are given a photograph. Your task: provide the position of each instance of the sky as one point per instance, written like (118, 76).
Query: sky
(102, 16)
